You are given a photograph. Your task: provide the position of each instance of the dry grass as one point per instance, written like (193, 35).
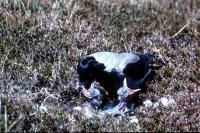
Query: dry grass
(42, 40)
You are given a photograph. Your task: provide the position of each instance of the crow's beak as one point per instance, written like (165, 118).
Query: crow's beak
(131, 92)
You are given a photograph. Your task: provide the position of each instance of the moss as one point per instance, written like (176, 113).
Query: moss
(168, 72)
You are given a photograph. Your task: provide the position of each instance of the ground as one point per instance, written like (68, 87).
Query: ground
(41, 42)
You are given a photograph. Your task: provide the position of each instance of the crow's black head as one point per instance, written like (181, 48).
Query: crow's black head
(87, 69)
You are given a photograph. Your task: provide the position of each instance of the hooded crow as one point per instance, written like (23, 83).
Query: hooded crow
(120, 74)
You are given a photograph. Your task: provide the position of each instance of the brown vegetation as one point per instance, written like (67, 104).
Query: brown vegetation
(42, 40)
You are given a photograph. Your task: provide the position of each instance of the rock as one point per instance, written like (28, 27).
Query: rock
(50, 100)
(43, 108)
(156, 105)
(164, 101)
(88, 111)
(167, 101)
(138, 128)
(148, 103)
(134, 119)
(78, 108)
(172, 101)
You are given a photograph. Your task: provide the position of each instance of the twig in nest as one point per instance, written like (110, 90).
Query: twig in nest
(6, 120)
(159, 54)
(15, 122)
(180, 30)
(0, 107)
(186, 25)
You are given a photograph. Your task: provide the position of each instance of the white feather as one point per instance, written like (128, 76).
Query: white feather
(117, 61)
